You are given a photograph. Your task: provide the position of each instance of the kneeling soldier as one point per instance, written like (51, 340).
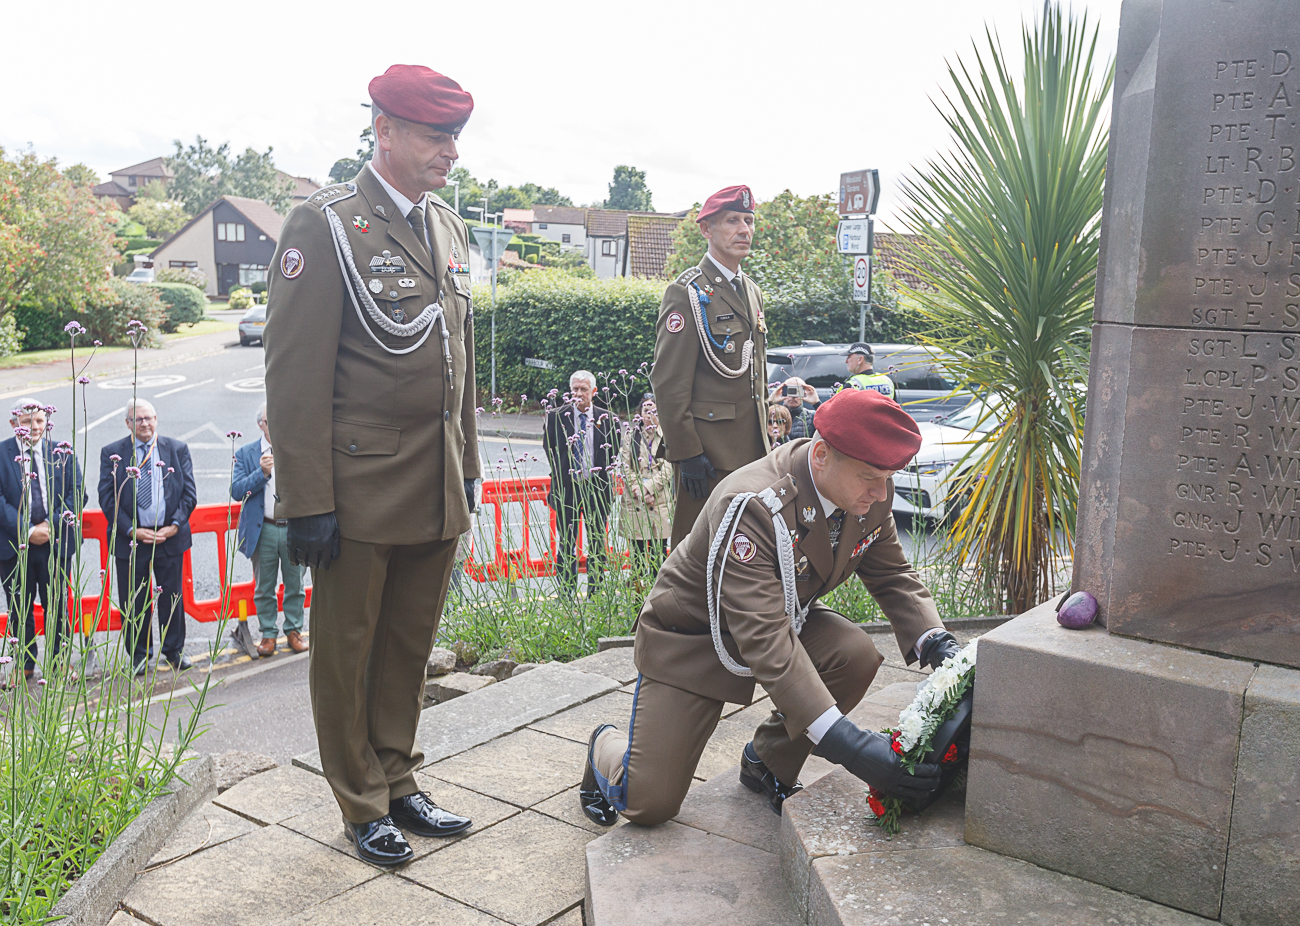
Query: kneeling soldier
(737, 604)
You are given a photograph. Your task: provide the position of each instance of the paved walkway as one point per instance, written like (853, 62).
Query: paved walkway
(271, 850)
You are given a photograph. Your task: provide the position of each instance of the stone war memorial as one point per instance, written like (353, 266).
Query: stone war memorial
(1158, 752)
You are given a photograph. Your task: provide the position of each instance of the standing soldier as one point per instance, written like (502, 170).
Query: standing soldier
(860, 361)
(710, 370)
(370, 383)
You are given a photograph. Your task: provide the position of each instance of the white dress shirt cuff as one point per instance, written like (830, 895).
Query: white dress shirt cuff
(925, 636)
(817, 729)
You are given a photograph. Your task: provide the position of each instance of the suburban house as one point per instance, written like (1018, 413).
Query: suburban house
(303, 187)
(900, 255)
(232, 242)
(564, 224)
(623, 244)
(122, 185)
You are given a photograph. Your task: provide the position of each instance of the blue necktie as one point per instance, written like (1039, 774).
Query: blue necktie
(144, 485)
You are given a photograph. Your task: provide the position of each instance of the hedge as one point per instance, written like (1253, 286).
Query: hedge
(570, 324)
(185, 304)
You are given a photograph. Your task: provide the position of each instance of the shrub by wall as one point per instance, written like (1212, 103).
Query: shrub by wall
(105, 317)
(191, 275)
(567, 322)
(185, 304)
(241, 298)
(42, 326)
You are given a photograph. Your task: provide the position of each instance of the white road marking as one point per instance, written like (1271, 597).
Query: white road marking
(224, 443)
(183, 388)
(251, 384)
(99, 421)
(143, 382)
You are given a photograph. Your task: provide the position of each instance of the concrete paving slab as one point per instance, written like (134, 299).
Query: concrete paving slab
(469, 721)
(525, 870)
(572, 918)
(207, 825)
(979, 888)
(724, 748)
(724, 807)
(751, 715)
(523, 768)
(122, 918)
(564, 806)
(648, 876)
(254, 880)
(276, 795)
(324, 823)
(458, 684)
(577, 722)
(611, 663)
(897, 695)
(389, 900)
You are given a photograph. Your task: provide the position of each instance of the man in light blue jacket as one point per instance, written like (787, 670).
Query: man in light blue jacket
(263, 540)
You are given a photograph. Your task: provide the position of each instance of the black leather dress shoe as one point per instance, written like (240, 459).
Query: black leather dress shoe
(179, 663)
(598, 810)
(379, 842)
(755, 776)
(417, 813)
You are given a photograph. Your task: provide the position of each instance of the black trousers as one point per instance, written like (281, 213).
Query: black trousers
(133, 599)
(21, 592)
(591, 504)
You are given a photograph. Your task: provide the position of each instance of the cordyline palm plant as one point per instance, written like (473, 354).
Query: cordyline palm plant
(1009, 233)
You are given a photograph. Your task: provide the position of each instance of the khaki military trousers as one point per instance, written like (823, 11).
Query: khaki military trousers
(374, 613)
(688, 509)
(649, 768)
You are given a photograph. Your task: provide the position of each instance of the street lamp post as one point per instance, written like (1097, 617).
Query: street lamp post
(492, 240)
(456, 184)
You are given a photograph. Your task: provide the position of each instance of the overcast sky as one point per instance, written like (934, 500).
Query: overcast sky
(697, 94)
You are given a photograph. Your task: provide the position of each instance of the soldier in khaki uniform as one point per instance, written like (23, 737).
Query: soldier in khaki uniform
(370, 397)
(710, 370)
(725, 613)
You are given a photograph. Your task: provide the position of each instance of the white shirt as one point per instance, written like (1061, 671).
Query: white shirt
(402, 203)
(732, 278)
(268, 493)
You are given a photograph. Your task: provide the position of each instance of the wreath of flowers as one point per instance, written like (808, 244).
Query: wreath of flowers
(913, 738)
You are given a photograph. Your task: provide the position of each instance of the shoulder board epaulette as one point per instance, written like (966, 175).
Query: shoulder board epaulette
(439, 201)
(689, 276)
(335, 192)
(785, 490)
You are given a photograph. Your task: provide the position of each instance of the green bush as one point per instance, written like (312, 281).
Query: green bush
(191, 275)
(185, 304)
(572, 323)
(42, 326)
(141, 243)
(105, 315)
(258, 287)
(129, 256)
(241, 298)
(11, 336)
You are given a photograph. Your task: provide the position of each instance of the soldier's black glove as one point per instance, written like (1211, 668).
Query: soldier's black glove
(869, 756)
(938, 648)
(469, 494)
(696, 473)
(314, 540)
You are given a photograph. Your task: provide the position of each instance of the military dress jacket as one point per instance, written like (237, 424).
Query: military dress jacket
(368, 421)
(701, 410)
(673, 641)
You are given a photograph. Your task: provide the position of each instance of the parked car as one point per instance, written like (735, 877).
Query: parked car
(140, 275)
(252, 325)
(921, 385)
(926, 486)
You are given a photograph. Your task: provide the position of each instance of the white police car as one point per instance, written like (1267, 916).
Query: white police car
(926, 487)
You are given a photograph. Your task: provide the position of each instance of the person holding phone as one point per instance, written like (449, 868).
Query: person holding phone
(801, 401)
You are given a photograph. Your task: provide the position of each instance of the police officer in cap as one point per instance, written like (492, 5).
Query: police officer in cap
(370, 395)
(860, 361)
(803, 520)
(710, 369)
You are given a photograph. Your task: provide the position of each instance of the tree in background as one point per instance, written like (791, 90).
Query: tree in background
(472, 191)
(204, 174)
(81, 175)
(628, 190)
(347, 168)
(161, 216)
(1009, 236)
(807, 284)
(56, 238)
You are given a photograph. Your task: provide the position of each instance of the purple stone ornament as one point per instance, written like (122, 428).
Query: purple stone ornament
(1077, 611)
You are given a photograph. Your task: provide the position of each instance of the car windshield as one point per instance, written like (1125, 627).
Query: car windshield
(915, 370)
(256, 314)
(976, 416)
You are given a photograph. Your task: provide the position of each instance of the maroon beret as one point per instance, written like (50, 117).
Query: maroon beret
(417, 94)
(732, 198)
(868, 426)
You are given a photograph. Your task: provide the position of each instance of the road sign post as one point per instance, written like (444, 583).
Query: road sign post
(859, 196)
(492, 241)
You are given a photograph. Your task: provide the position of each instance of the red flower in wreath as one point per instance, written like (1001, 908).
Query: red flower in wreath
(874, 805)
(951, 754)
(897, 746)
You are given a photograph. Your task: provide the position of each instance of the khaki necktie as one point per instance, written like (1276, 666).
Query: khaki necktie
(416, 218)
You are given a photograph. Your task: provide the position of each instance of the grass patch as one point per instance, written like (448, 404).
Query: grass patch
(209, 325)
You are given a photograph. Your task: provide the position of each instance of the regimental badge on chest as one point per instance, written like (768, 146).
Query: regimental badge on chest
(360, 224)
(388, 262)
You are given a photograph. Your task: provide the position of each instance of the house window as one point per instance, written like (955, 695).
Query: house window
(183, 264)
(541, 224)
(609, 248)
(230, 231)
(251, 273)
(566, 239)
(130, 181)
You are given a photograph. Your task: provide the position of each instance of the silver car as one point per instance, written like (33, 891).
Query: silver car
(252, 325)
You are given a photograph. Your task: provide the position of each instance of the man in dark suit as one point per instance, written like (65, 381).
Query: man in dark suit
(579, 438)
(264, 539)
(41, 497)
(147, 491)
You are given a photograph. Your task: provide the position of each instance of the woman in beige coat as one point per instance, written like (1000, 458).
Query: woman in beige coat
(646, 518)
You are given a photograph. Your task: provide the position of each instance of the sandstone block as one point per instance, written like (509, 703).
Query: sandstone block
(499, 669)
(446, 687)
(441, 661)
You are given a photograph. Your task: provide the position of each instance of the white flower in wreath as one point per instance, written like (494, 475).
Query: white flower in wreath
(911, 724)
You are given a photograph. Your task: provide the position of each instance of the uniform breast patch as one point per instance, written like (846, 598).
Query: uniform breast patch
(865, 542)
(676, 322)
(742, 548)
(291, 263)
(360, 224)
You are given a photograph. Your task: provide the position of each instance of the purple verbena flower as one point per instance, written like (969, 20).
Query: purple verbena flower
(69, 518)
(73, 328)
(5, 660)
(98, 343)
(133, 472)
(83, 380)
(234, 434)
(49, 409)
(115, 458)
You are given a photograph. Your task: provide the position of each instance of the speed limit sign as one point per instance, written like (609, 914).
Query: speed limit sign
(862, 278)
